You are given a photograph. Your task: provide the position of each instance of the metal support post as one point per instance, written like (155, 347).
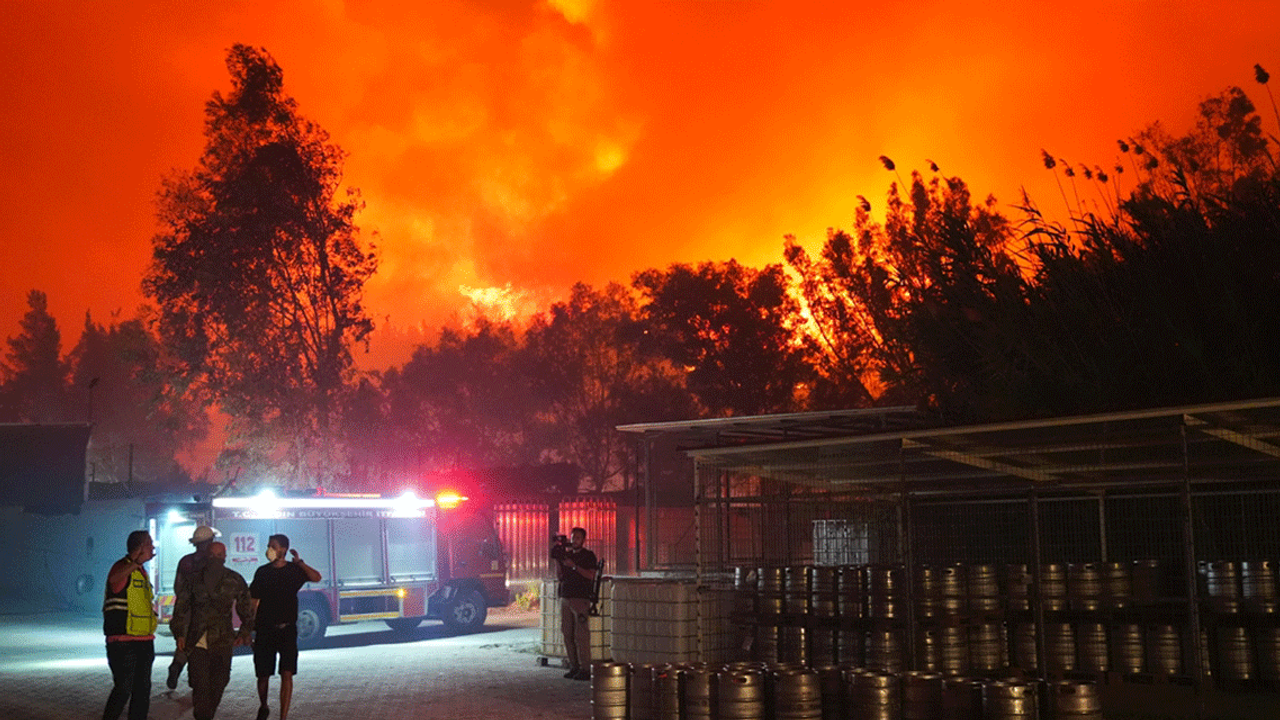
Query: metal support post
(698, 496)
(908, 558)
(1102, 524)
(1037, 604)
(1192, 587)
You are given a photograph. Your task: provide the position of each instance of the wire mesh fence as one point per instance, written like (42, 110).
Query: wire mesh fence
(780, 526)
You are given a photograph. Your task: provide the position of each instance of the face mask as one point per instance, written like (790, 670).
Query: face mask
(272, 555)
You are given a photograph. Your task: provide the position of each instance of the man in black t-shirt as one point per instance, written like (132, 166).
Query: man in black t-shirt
(577, 583)
(275, 600)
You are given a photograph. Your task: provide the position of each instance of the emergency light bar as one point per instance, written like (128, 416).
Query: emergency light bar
(268, 502)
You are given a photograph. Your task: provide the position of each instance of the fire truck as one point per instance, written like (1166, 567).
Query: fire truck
(398, 560)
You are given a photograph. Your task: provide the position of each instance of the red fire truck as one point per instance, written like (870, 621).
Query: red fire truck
(399, 560)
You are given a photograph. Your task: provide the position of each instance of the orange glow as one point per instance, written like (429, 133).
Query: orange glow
(507, 150)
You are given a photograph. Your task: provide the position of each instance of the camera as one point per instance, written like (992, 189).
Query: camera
(559, 544)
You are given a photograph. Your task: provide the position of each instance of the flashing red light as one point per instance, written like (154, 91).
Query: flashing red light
(449, 499)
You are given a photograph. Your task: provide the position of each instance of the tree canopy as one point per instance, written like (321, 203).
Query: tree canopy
(33, 375)
(1165, 295)
(1158, 288)
(258, 273)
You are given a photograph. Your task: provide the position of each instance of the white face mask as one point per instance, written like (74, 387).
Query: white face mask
(272, 554)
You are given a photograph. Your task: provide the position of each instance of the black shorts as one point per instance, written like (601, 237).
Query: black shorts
(271, 641)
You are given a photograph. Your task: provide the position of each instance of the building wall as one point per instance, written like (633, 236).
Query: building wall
(61, 561)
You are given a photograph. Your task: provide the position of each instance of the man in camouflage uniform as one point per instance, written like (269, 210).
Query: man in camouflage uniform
(202, 628)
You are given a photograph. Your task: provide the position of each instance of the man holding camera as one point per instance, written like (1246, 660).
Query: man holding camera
(577, 566)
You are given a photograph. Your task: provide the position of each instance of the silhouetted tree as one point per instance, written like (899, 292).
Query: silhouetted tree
(590, 373)
(1175, 299)
(732, 329)
(141, 419)
(258, 272)
(463, 403)
(1166, 296)
(371, 440)
(930, 300)
(33, 377)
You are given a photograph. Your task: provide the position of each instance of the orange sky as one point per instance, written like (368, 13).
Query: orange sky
(530, 145)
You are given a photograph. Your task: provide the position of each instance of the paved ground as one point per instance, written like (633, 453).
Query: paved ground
(53, 666)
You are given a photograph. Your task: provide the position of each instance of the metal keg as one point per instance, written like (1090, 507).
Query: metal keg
(921, 695)
(874, 695)
(1084, 586)
(666, 690)
(793, 644)
(745, 589)
(939, 590)
(1268, 647)
(799, 584)
(1164, 650)
(983, 588)
(1117, 584)
(822, 646)
(1024, 646)
(1148, 578)
(927, 589)
(955, 649)
(1059, 647)
(885, 587)
(1053, 586)
(1009, 700)
(831, 680)
(1267, 644)
(610, 683)
(954, 589)
(885, 650)
(943, 649)
(1017, 587)
(1091, 647)
(770, 593)
(796, 694)
(987, 647)
(885, 579)
(1258, 583)
(1127, 648)
(698, 698)
(850, 647)
(1235, 661)
(765, 647)
(1073, 700)
(825, 591)
(642, 693)
(740, 695)
(851, 591)
(1220, 583)
(961, 698)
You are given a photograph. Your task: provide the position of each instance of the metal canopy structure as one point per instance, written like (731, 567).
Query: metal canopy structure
(786, 427)
(1223, 442)
(1176, 487)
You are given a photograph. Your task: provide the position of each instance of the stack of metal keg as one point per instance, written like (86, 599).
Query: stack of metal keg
(782, 691)
(976, 619)
(1243, 625)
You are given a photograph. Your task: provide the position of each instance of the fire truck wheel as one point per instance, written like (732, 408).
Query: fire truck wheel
(311, 624)
(466, 613)
(402, 625)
